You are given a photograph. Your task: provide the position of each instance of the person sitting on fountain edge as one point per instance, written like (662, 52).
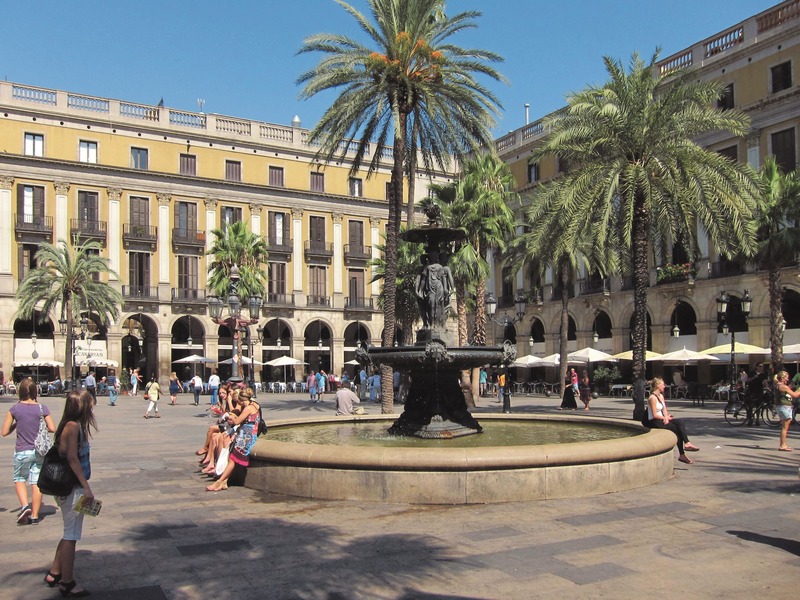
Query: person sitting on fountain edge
(345, 399)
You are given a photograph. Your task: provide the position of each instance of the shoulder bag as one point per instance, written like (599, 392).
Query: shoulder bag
(43, 441)
(56, 477)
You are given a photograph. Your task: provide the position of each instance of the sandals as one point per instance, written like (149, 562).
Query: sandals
(216, 487)
(54, 580)
(785, 449)
(691, 447)
(685, 459)
(158, 416)
(147, 416)
(66, 589)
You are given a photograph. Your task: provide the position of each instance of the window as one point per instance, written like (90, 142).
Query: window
(533, 172)
(186, 218)
(276, 285)
(230, 215)
(88, 214)
(30, 204)
(139, 273)
(507, 287)
(278, 226)
(725, 101)
(316, 229)
(87, 151)
(34, 144)
(783, 149)
(731, 152)
(781, 76)
(276, 176)
(187, 272)
(355, 287)
(317, 182)
(139, 158)
(140, 214)
(356, 236)
(27, 259)
(356, 187)
(188, 164)
(233, 170)
(317, 285)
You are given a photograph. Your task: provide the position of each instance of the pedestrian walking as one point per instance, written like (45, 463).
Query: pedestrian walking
(113, 388)
(197, 388)
(24, 418)
(152, 392)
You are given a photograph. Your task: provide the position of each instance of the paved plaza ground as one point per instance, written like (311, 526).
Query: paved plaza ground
(726, 527)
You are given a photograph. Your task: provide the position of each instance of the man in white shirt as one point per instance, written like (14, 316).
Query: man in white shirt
(197, 387)
(345, 399)
(213, 387)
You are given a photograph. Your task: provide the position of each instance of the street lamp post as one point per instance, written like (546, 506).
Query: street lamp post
(68, 329)
(234, 321)
(723, 307)
(491, 308)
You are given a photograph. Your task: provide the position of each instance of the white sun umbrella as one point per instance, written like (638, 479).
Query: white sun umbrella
(243, 360)
(284, 361)
(686, 356)
(628, 355)
(352, 362)
(589, 355)
(529, 360)
(551, 360)
(194, 358)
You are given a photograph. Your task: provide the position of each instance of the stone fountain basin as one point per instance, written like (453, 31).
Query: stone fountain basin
(462, 475)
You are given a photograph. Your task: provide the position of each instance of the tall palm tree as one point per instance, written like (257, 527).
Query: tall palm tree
(410, 68)
(66, 281)
(636, 172)
(778, 241)
(235, 244)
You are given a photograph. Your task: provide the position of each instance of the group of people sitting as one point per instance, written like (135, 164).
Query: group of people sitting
(229, 441)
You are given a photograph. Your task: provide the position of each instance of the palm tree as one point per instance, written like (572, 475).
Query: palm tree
(778, 241)
(636, 172)
(235, 244)
(66, 280)
(412, 68)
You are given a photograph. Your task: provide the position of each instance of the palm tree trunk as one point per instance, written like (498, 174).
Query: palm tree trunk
(68, 362)
(564, 331)
(776, 319)
(412, 170)
(390, 275)
(641, 281)
(461, 311)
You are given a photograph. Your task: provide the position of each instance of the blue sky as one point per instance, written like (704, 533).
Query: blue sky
(240, 55)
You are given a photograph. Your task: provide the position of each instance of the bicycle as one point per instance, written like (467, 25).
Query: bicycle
(749, 410)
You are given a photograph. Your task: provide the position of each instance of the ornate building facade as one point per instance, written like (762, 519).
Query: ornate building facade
(150, 183)
(758, 62)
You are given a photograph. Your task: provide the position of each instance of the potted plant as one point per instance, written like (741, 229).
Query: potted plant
(605, 377)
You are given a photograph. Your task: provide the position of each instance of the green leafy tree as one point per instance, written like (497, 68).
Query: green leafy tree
(635, 172)
(411, 80)
(66, 281)
(778, 241)
(235, 244)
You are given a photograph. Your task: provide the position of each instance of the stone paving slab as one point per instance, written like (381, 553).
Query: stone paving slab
(724, 527)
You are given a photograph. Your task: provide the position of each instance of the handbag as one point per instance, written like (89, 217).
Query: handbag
(43, 441)
(262, 424)
(222, 461)
(56, 477)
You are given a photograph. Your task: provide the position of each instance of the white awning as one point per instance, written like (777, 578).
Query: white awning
(23, 350)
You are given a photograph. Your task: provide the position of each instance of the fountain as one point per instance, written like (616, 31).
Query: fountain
(331, 459)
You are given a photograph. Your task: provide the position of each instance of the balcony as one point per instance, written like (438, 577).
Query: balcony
(140, 292)
(356, 304)
(191, 240)
(320, 301)
(279, 300)
(33, 228)
(316, 252)
(139, 237)
(188, 301)
(594, 286)
(357, 254)
(280, 251)
(84, 231)
(725, 268)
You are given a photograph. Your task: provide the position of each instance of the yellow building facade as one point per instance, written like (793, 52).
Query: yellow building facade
(758, 60)
(150, 183)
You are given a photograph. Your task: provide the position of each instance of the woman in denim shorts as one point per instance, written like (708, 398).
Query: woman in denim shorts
(24, 417)
(72, 439)
(784, 398)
